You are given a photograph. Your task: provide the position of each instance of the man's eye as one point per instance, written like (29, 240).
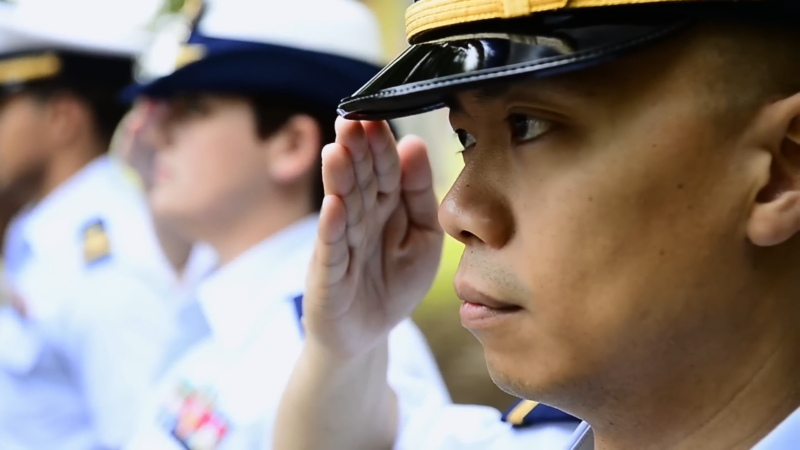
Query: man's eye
(190, 106)
(195, 106)
(465, 138)
(525, 128)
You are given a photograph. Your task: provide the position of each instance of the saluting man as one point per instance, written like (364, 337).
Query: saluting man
(630, 207)
(83, 338)
(238, 120)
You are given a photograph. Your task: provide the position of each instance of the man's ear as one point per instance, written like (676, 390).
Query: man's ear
(293, 150)
(776, 216)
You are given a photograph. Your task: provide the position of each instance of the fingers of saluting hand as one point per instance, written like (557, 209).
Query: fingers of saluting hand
(331, 252)
(417, 184)
(384, 153)
(340, 180)
(351, 136)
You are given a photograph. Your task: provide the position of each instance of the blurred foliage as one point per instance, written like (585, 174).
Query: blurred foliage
(172, 6)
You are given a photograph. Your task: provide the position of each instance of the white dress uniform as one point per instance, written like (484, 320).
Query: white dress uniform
(224, 392)
(445, 426)
(76, 367)
(785, 437)
(85, 335)
(463, 427)
(82, 346)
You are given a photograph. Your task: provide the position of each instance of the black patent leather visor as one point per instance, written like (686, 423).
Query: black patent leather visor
(425, 74)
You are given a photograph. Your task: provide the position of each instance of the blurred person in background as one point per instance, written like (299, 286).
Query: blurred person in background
(82, 338)
(630, 207)
(9, 207)
(190, 260)
(237, 121)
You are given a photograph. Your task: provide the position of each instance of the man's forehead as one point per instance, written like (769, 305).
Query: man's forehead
(570, 89)
(688, 58)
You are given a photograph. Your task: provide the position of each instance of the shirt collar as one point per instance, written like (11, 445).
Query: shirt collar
(238, 295)
(785, 436)
(582, 438)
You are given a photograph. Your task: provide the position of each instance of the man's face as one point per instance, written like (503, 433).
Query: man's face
(210, 160)
(23, 152)
(607, 210)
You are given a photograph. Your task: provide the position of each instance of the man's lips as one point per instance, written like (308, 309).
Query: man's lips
(469, 294)
(481, 311)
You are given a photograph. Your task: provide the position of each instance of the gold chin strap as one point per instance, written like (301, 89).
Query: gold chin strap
(428, 15)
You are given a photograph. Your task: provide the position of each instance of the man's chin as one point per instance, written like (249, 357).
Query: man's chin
(523, 378)
(513, 385)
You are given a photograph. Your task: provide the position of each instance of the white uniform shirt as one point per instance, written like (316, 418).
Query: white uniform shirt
(785, 437)
(223, 394)
(48, 235)
(443, 426)
(75, 365)
(462, 427)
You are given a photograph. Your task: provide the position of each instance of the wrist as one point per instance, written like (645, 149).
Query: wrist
(327, 361)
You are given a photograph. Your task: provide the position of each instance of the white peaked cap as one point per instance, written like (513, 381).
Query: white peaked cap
(345, 28)
(114, 27)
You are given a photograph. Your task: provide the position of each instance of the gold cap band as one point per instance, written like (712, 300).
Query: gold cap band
(30, 67)
(426, 15)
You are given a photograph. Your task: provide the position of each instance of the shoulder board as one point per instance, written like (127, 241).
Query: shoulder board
(96, 245)
(527, 413)
(298, 309)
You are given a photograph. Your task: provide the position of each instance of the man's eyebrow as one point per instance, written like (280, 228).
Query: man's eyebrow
(483, 94)
(546, 91)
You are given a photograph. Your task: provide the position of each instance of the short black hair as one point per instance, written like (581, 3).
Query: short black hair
(272, 112)
(106, 110)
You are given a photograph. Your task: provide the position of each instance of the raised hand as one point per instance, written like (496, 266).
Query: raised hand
(379, 241)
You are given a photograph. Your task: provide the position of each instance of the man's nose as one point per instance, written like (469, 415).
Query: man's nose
(476, 213)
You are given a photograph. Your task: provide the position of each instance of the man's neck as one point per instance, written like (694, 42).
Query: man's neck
(176, 247)
(235, 236)
(59, 171)
(727, 409)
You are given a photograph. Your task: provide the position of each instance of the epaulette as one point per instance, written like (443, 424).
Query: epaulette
(96, 245)
(528, 413)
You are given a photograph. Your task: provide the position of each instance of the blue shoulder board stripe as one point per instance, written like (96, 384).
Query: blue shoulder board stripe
(527, 413)
(298, 309)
